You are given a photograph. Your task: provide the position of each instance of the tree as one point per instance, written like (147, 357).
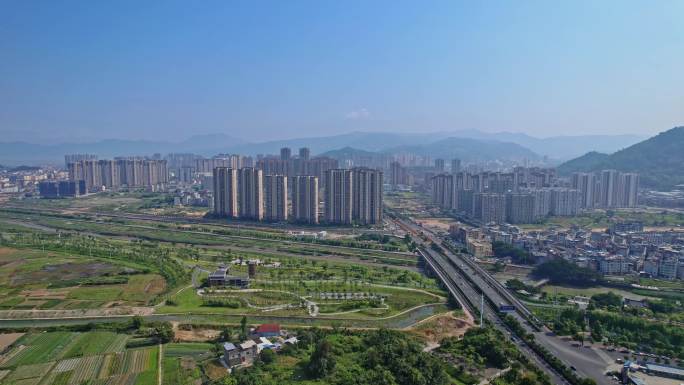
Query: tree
(517, 255)
(606, 300)
(137, 322)
(322, 361)
(559, 270)
(243, 327)
(164, 332)
(267, 356)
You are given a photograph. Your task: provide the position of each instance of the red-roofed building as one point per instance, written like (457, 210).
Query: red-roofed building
(268, 330)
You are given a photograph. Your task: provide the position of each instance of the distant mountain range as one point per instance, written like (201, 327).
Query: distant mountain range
(555, 147)
(659, 160)
(466, 149)
(470, 150)
(558, 147)
(452, 143)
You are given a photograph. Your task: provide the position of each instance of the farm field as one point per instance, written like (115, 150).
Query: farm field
(182, 362)
(72, 358)
(46, 280)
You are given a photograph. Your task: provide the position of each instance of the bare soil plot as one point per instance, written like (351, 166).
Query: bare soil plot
(196, 335)
(436, 223)
(7, 339)
(435, 329)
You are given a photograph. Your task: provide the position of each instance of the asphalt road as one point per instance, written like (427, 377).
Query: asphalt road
(470, 298)
(587, 361)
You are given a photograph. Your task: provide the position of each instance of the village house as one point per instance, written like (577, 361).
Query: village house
(243, 354)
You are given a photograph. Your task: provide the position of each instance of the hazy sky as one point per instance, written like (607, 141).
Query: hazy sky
(260, 70)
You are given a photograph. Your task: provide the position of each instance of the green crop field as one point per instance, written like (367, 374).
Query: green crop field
(92, 343)
(181, 362)
(38, 348)
(77, 358)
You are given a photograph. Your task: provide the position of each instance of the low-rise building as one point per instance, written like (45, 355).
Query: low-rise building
(220, 277)
(267, 330)
(479, 248)
(242, 354)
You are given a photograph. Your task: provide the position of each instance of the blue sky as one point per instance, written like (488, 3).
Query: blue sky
(281, 69)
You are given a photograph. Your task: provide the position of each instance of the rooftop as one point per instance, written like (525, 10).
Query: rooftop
(219, 273)
(247, 344)
(268, 328)
(229, 346)
(665, 369)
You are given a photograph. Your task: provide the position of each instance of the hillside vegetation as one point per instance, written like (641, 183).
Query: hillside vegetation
(659, 160)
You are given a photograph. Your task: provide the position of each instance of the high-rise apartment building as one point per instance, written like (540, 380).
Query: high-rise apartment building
(489, 207)
(610, 180)
(520, 208)
(565, 202)
(251, 193)
(630, 188)
(542, 203)
(73, 158)
(443, 190)
(617, 189)
(463, 201)
(225, 192)
(285, 153)
(398, 175)
(367, 196)
(275, 198)
(585, 183)
(338, 196)
(305, 199)
(304, 153)
(455, 166)
(109, 172)
(93, 175)
(132, 172)
(439, 165)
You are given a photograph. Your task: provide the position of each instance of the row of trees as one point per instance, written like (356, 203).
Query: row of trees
(560, 271)
(518, 255)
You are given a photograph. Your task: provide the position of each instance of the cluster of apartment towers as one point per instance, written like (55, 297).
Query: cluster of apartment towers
(527, 195)
(350, 196)
(112, 174)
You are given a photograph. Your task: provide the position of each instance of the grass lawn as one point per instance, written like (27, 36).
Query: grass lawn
(96, 293)
(589, 291)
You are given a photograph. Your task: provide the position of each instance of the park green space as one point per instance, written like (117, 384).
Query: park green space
(163, 269)
(271, 298)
